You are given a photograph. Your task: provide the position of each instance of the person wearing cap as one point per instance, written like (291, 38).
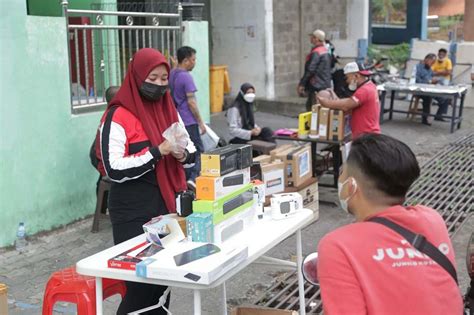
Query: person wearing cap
(364, 103)
(317, 69)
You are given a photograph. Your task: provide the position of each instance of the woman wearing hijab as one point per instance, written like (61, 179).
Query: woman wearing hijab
(242, 121)
(145, 172)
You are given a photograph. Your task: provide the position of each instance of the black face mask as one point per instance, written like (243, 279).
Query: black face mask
(152, 92)
(427, 67)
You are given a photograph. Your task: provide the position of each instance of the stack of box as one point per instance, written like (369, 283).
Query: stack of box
(224, 194)
(329, 124)
(288, 168)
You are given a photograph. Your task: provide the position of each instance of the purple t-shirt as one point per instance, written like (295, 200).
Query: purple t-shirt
(181, 82)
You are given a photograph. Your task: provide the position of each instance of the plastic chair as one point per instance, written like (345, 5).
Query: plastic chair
(100, 207)
(68, 286)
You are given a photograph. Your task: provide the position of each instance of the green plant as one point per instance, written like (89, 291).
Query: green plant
(396, 55)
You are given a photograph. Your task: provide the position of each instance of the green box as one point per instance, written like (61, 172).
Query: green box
(227, 206)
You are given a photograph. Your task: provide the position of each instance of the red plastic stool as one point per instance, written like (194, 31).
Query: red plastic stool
(68, 286)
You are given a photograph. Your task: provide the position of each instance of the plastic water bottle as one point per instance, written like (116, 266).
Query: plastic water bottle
(20, 242)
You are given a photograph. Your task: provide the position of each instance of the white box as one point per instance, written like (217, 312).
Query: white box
(205, 270)
(234, 225)
(274, 178)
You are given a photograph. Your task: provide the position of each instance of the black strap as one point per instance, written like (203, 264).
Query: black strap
(420, 242)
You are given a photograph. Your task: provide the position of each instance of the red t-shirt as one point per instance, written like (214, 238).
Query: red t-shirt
(365, 117)
(367, 268)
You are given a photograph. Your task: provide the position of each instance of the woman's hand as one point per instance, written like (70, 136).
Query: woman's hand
(165, 148)
(180, 156)
(256, 131)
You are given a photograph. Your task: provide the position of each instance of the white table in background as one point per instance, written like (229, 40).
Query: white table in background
(261, 237)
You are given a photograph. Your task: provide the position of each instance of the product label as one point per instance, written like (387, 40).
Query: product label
(303, 164)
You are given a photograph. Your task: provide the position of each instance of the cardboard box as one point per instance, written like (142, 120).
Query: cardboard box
(255, 310)
(339, 126)
(3, 299)
(227, 206)
(298, 167)
(310, 193)
(204, 270)
(212, 188)
(304, 125)
(314, 132)
(200, 228)
(273, 153)
(323, 127)
(274, 177)
(225, 160)
(263, 159)
(181, 221)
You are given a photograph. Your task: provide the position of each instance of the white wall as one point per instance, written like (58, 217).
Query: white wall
(238, 35)
(357, 28)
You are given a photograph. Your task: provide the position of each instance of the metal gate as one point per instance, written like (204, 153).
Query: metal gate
(101, 43)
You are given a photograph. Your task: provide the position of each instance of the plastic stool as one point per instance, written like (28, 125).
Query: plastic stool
(100, 208)
(68, 286)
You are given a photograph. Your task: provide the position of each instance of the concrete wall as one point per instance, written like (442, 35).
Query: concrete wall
(293, 20)
(238, 35)
(196, 35)
(47, 179)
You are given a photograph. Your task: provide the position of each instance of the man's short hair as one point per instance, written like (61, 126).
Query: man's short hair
(185, 52)
(442, 50)
(388, 163)
(430, 56)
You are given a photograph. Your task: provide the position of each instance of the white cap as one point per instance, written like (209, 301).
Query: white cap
(354, 67)
(319, 35)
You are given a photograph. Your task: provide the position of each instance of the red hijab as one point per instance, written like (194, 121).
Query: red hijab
(155, 117)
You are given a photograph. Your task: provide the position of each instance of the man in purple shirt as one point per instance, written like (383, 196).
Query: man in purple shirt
(183, 88)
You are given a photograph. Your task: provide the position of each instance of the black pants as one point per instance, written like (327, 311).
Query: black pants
(426, 107)
(443, 104)
(265, 135)
(311, 100)
(195, 135)
(139, 295)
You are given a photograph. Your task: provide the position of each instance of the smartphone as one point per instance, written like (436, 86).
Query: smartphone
(195, 254)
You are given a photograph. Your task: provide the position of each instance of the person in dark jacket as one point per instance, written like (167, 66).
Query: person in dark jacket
(317, 69)
(242, 126)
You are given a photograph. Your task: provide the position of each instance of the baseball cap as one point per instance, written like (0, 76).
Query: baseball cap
(319, 35)
(353, 67)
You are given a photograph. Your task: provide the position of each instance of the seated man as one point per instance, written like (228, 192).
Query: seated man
(424, 74)
(241, 120)
(367, 267)
(442, 68)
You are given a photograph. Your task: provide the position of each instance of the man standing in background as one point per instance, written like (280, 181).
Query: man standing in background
(183, 90)
(317, 69)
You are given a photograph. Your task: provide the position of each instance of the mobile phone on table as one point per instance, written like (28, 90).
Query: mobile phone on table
(195, 254)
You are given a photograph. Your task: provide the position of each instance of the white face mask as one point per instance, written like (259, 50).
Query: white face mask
(353, 85)
(344, 202)
(249, 97)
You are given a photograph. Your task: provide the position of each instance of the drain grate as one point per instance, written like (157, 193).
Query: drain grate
(446, 184)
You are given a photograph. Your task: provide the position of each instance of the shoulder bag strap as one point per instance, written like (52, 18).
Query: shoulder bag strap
(420, 242)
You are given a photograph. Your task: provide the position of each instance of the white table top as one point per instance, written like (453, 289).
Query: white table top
(260, 237)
